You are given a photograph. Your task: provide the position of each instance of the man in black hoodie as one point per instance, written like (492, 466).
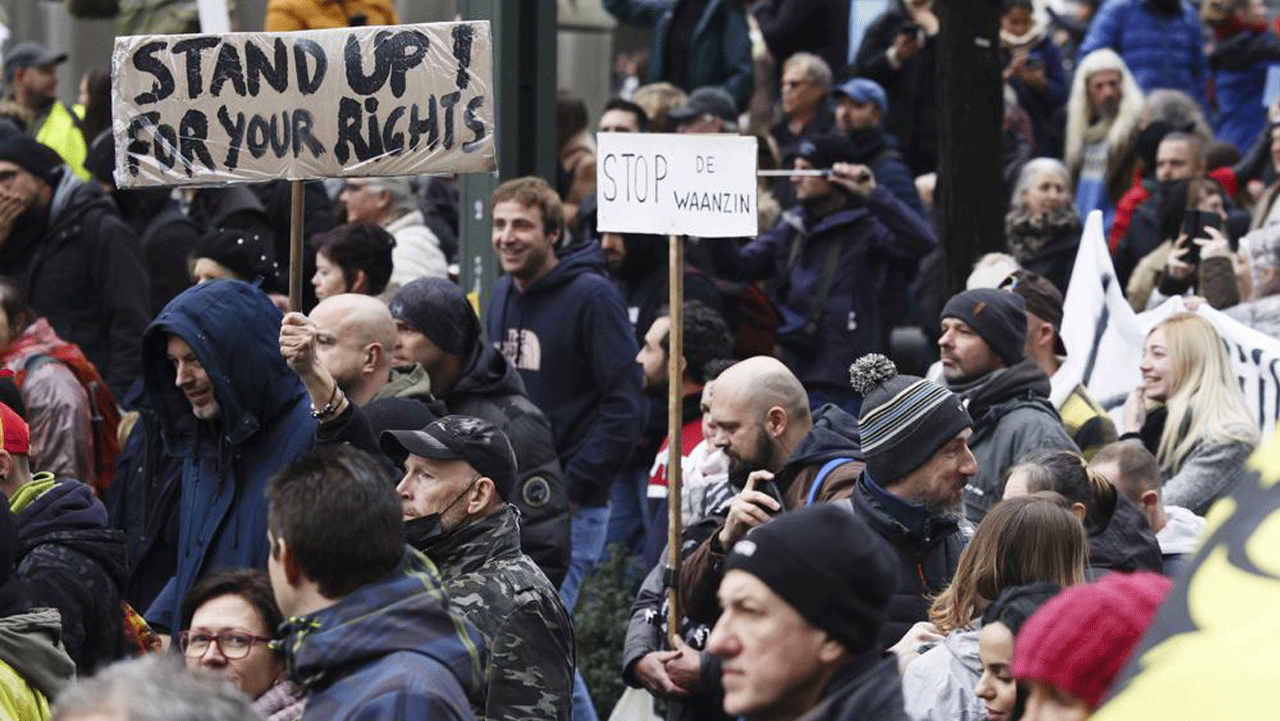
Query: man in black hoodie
(68, 558)
(79, 263)
(982, 346)
(439, 331)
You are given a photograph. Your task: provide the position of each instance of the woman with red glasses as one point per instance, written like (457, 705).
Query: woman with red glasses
(230, 617)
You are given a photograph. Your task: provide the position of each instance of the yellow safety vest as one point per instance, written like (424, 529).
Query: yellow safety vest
(61, 132)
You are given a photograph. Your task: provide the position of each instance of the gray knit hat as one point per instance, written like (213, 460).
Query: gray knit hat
(904, 418)
(997, 316)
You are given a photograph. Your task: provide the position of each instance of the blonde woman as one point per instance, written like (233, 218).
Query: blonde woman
(1190, 413)
(1021, 540)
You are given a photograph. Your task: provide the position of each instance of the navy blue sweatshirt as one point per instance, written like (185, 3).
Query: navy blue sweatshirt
(569, 337)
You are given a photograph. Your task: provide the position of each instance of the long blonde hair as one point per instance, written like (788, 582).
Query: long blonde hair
(1205, 402)
(1021, 540)
(1078, 106)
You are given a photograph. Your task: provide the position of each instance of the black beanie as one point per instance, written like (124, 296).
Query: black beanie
(248, 254)
(904, 420)
(32, 156)
(100, 161)
(437, 308)
(999, 317)
(824, 150)
(827, 563)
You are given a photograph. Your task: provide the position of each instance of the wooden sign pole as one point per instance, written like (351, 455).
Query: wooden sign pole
(295, 246)
(675, 403)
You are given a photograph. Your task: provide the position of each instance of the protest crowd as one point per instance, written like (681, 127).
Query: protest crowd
(395, 500)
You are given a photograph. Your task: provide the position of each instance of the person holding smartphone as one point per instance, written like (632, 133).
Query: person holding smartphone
(1033, 68)
(1201, 258)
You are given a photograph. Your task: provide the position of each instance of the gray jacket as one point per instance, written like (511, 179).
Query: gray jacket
(1012, 417)
(1261, 315)
(938, 685)
(1208, 473)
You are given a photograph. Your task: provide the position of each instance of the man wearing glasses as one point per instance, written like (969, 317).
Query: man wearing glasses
(390, 203)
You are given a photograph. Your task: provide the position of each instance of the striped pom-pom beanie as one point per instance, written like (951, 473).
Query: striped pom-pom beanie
(904, 418)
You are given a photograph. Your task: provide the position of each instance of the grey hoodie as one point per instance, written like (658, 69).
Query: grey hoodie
(31, 643)
(938, 684)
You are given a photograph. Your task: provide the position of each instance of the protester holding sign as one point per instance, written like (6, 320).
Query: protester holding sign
(1190, 412)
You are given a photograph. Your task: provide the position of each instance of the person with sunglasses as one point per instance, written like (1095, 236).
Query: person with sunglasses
(230, 617)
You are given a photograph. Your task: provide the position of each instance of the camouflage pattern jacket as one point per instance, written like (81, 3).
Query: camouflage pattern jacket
(528, 636)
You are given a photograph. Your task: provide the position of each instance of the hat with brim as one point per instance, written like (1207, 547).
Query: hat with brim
(460, 438)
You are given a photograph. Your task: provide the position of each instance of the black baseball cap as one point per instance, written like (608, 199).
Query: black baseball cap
(465, 438)
(1042, 298)
(30, 54)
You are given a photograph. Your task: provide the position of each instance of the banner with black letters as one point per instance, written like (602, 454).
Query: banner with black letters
(245, 107)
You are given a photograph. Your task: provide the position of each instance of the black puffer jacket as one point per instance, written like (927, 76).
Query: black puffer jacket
(491, 389)
(910, 87)
(69, 560)
(861, 692)
(82, 268)
(925, 561)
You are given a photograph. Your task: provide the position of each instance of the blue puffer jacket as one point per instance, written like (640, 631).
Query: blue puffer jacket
(719, 51)
(388, 650)
(1161, 50)
(1239, 64)
(265, 424)
(877, 241)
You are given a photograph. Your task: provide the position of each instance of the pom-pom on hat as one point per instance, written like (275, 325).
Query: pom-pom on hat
(905, 419)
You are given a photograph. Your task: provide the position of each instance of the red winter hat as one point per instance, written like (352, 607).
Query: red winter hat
(14, 435)
(1080, 639)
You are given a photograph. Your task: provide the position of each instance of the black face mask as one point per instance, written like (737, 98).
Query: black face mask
(1166, 7)
(424, 531)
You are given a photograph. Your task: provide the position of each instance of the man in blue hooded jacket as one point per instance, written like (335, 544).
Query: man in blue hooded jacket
(231, 408)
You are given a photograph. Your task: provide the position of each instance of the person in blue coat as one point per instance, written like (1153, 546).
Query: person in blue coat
(1244, 50)
(233, 411)
(695, 43)
(1159, 40)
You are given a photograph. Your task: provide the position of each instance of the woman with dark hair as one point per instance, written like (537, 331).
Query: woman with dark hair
(1119, 537)
(354, 258)
(1005, 698)
(230, 616)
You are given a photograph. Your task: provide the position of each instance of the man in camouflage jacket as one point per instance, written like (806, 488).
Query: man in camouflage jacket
(458, 472)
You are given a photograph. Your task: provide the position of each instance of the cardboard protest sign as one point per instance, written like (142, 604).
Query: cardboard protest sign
(239, 107)
(702, 185)
(1104, 338)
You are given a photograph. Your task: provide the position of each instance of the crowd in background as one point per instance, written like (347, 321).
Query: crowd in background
(384, 504)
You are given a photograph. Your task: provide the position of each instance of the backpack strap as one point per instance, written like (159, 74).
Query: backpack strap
(819, 479)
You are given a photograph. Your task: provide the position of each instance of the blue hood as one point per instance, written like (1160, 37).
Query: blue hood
(234, 330)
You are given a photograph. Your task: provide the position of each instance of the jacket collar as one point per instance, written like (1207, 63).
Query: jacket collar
(469, 548)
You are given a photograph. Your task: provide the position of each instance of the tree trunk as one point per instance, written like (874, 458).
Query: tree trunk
(970, 105)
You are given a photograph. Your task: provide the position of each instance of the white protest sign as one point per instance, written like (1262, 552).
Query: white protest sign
(702, 185)
(240, 107)
(1104, 338)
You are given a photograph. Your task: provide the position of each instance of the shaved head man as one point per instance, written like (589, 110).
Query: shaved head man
(355, 336)
(761, 413)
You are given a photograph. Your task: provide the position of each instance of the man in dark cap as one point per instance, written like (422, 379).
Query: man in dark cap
(983, 361)
(830, 256)
(78, 263)
(708, 110)
(440, 347)
(31, 76)
(811, 649)
(460, 474)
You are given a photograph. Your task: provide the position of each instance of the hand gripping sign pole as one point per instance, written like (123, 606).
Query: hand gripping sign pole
(217, 109)
(676, 185)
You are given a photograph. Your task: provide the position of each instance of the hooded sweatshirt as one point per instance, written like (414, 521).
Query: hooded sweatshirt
(569, 337)
(1012, 416)
(264, 424)
(388, 650)
(70, 560)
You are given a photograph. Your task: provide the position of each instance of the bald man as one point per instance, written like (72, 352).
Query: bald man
(355, 337)
(781, 456)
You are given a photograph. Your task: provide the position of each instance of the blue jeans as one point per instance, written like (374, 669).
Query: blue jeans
(587, 529)
(628, 522)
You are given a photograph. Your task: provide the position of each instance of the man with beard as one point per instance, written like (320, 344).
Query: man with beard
(459, 472)
(31, 77)
(780, 454)
(1007, 394)
(1103, 110)
(860, 108)
(706, 338)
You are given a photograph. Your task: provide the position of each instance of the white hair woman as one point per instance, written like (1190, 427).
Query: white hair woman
(1189, 411)
(1042, 228)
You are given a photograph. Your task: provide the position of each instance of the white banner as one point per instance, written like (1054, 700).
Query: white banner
(1104, 338)
(702, 185)
(237, 107)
